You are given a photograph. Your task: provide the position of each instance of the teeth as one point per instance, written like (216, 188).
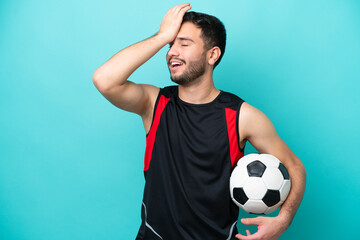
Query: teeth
(175, 64)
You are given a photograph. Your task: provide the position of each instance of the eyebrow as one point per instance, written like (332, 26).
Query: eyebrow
(182, 39)
(185, 39)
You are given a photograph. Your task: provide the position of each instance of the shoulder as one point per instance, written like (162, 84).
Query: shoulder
(231, 100)
(231, 97)
(253, 121)
(154, 93)
(250, 112)
(151, 90)
(250, 115)
(169, 91)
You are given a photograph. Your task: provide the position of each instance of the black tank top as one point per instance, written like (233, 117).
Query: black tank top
(191, 150)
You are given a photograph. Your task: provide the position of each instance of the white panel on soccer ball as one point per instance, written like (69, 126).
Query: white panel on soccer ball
(244, 161)
(284, 190)
(273, 178)
(273, 208)
(255, 206)
(255, 188)
(270, 160)
(238, 177)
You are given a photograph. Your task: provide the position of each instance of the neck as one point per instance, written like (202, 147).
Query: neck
(199, 91)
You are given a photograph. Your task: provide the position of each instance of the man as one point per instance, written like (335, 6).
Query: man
(195, 134)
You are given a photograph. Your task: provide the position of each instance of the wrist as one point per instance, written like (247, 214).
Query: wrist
(163, 37)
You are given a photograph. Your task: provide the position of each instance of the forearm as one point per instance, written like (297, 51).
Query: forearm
(119, 67)
(292, 203)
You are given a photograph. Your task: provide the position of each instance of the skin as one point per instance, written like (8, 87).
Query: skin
(187, 46)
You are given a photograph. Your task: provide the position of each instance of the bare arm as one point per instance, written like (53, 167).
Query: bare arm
(111, 78)
(259, 131)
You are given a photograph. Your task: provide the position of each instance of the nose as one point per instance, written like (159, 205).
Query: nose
(173, 51)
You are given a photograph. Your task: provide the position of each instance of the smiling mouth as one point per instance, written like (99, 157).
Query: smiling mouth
(175, 64)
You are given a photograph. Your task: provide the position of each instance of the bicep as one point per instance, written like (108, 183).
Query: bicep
(260, 132)
(136, 98)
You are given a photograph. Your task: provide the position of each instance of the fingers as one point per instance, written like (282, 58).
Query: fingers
(185, 9)
(181, 8)
(242, 236)
(251, 221)
(249, 236)
(179, 11)
(172, 21)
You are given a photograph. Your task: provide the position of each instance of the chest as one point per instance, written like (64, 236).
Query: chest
(200, 130)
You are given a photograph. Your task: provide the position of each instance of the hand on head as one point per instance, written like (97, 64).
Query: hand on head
(172, 20)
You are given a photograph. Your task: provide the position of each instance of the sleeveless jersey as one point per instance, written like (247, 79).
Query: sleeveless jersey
(190, 152)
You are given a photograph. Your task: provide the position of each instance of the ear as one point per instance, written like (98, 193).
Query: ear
(213, 55)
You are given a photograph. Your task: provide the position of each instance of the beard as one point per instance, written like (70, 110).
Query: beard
(193, 71)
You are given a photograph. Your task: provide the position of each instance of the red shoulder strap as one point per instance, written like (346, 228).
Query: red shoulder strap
(235, 153)
(150, 139)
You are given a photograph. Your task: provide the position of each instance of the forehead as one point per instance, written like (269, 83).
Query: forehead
(189, 30)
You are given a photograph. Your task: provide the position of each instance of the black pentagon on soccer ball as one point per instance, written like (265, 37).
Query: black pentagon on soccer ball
(284, 171)
(271, 197)
(240, 196)
(256, 169)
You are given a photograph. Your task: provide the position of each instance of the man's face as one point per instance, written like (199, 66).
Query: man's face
(186, 57)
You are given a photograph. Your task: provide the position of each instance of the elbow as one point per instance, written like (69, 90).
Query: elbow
(105, 83)
(299, 168)
(302, 171)
(99, 82)
(96, 79)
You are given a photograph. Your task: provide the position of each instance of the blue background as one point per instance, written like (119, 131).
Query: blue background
(71, 164)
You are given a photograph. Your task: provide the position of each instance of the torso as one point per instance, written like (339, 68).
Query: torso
(188, 161)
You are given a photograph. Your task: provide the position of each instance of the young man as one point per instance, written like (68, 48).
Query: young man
(195, 134)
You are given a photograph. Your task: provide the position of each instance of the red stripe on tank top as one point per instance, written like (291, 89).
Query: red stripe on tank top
(235, 153)
(150, 139)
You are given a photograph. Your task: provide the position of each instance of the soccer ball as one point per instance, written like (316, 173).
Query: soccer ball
(259, 183)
